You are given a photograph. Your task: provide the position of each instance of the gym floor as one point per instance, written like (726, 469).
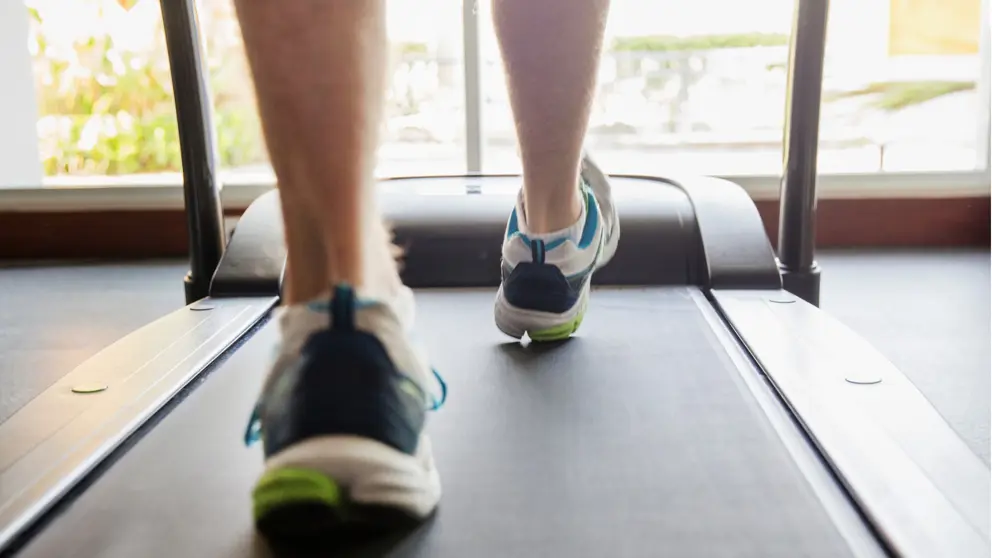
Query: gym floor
(927, 311)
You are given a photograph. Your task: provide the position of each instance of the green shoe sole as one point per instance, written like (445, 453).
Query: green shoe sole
(295, 505)
(559, 332)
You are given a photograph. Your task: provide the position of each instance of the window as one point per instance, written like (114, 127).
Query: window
(679, 89)
(671, 86)
(104, 90)
(425, 103)
(900, 90)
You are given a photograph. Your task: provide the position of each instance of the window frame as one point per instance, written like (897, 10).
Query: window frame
(139, 192)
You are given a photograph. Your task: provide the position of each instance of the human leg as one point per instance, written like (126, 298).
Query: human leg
(342, 411)
(564, 226)
(318, 70)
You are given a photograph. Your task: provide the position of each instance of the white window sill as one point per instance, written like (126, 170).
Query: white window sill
(164, 191)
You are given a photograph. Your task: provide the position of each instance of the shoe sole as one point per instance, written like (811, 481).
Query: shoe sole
(335, 486)
(539, 326)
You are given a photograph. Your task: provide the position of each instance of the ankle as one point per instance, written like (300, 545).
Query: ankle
(388, 320)
(550, 213)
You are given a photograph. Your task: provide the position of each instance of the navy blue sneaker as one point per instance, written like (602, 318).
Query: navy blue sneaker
(546, 278)
(341, 420)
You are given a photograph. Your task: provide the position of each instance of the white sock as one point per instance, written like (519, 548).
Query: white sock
(573, 232)
(382, 284)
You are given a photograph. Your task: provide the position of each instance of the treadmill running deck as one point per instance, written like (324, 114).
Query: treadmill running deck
(640, 437)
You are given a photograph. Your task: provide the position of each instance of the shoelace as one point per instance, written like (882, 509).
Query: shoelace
(437, 403)
(253, 433)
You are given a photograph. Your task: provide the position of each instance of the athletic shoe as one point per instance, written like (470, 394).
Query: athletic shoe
(341, 419)
(546, 277)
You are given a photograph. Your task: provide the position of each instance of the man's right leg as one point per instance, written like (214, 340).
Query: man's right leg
(565, 224)
(342, 411)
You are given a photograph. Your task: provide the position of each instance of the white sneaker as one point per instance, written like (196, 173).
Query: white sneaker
(341, 418)
(546, 277)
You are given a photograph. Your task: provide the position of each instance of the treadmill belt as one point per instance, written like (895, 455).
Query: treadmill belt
(636, 438)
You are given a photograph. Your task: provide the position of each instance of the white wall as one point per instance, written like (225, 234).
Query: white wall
(19, 161)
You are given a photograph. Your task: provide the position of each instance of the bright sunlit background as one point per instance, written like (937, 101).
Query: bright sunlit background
(692, 86)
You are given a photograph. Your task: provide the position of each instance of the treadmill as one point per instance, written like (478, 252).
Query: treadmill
(707, 408)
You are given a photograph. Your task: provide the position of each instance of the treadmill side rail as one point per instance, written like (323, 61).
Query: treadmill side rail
(923, 489)
(735, 246)
(60, 436)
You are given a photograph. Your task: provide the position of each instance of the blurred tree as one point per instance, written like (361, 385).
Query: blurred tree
(105, 92)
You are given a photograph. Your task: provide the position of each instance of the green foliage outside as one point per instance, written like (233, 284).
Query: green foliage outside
(115, 118)
(666, 43)
(893, 96)
(413, 48)
(107, 110)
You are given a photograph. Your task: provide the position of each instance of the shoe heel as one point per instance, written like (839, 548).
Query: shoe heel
(282, 488)
(557, 333)
(299, 505)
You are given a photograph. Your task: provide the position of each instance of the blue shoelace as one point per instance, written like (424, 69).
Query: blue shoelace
(253, 433)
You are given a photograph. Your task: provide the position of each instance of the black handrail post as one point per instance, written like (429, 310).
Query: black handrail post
(797, 215)
(201, 190)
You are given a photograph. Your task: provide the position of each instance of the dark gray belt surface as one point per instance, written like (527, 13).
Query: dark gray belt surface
(634, 439)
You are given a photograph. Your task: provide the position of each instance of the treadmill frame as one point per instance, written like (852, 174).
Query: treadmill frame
(913, 478)
(797, 211)
(194, 115)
